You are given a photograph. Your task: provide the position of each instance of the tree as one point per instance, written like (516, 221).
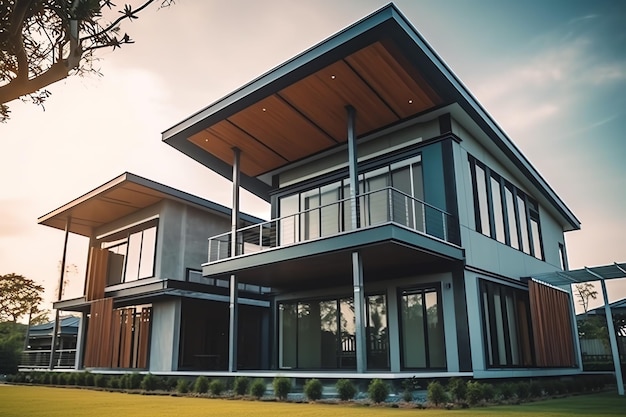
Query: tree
(585, 292)
(44, 41)
(19, 296)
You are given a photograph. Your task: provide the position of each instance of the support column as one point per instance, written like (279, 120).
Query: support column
(232, 305)
(55, 327)
(614, 351)
(359, 312)
(353, 169)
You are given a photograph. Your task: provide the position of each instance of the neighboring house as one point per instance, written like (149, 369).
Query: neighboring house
(146, 303)
(405, 227)
(38, 348)
(594, 348)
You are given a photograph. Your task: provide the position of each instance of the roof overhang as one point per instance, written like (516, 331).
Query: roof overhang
(380, 65)
(123, 195)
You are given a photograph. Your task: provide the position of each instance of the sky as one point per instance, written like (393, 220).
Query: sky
(551, 73)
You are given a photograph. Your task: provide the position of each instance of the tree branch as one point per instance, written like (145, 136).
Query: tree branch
(20, 87)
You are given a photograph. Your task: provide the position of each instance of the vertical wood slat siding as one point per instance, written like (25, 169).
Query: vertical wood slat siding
(552, 326)
(115, 338)
(144, 333)
(126, 342)
(96, 273)
(98, 351)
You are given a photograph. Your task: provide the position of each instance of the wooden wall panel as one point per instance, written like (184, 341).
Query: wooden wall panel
(96, 274)
(98, 350)
(126, 342)
(144, 334)
(552, 326)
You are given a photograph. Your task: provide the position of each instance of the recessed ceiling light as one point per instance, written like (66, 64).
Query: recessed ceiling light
(264, 109)
(332, 77)
(410, 101)
(206, 140)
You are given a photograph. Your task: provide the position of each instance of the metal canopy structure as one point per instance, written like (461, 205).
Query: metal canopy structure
(597, 273)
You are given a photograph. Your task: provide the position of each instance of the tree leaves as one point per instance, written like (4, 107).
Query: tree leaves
(19, 296)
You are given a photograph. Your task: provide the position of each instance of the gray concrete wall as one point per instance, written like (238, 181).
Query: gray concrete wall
(165, 336)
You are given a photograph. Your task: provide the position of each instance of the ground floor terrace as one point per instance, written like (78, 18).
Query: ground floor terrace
(441, 320)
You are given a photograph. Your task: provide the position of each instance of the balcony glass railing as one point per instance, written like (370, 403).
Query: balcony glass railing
(387, 205)
(63, 358)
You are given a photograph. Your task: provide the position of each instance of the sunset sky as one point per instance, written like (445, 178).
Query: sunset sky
(551, 73)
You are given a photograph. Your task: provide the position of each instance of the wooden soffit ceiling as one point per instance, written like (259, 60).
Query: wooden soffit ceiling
(309, 115)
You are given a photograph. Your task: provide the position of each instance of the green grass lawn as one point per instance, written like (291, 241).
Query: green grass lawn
(32, 401)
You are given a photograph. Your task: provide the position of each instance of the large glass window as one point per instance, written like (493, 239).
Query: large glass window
(131, 253)
(326, 210)
(321, 334)
(423, 344)
(504, 212)
(506, 318)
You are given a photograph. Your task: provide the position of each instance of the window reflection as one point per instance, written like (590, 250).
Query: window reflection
(131, 253)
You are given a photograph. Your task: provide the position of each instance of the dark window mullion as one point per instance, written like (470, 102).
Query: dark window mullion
(505, 325)
(531, 242)
(472, 163)
(520, 240)
(505, 212)
(492, 222)
(425, 325)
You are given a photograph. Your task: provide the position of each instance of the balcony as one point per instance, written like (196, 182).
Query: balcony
(35, 359)
(384, 206)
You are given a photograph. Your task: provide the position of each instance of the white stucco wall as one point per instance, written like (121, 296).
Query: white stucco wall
(165, 336)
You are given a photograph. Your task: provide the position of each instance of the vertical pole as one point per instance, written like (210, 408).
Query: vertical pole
(353, 169)
(55, 327)
(359, 312)
(233, 307)
(614, 351)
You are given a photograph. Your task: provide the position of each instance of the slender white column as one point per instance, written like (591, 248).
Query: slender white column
(55, 327)
(614, 351)
(233, 306)
(353, 168)
(359, 312)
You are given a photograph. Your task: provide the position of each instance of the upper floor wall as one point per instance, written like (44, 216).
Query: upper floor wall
(520, 233)
(162, 241)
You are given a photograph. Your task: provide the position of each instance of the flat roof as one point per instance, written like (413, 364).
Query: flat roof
(380, 65)
(120, 197)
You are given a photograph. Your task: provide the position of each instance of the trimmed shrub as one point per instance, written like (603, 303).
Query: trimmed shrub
(313, 389)
(241, 385)
(257, 388)
(282, 386)
(169, 384)
(182, 386)
(79, 379)
(522, 390)
(474, 392)
(435, 393)
(89, 379)
(54, 378)
(114, 382)
(378, 391)
(201, 385)
(535, 388)
(45, 378)
(217, 386)
(62, 379)
(70, 378)
(134, 380)
(345, 389)
(100, 381)
(489, 391)
(506, 390)
(457, 388)
(407, 395)
(150, 382)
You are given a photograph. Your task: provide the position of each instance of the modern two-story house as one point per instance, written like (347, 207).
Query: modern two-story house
(405, 226)
(405, 223)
